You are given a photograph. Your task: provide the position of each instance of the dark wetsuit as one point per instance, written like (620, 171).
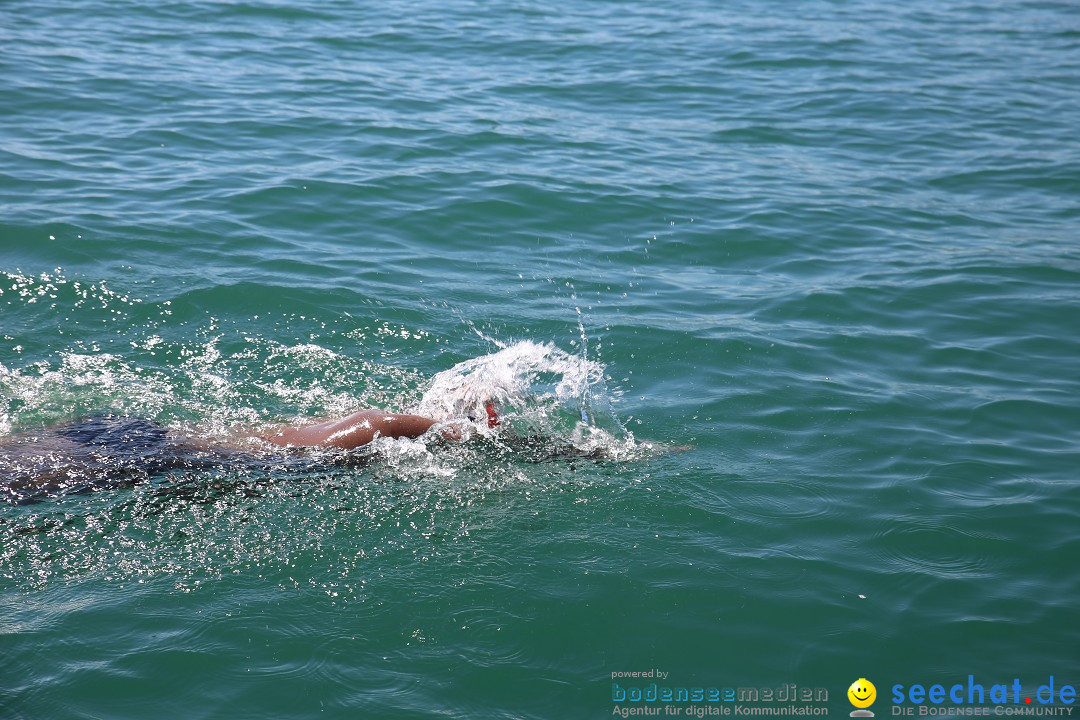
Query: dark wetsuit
(91, 453)
(130, 441)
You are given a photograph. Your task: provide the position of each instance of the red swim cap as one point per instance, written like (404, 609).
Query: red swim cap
(493, 419)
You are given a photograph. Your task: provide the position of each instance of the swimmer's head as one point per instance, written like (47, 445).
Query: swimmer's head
(490, 414)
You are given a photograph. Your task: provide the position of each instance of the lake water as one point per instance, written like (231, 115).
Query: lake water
(831, 246)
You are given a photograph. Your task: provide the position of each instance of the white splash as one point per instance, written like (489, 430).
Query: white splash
(538, 391)
(516, 378)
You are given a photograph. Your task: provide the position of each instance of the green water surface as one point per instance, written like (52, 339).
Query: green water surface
(832, 246)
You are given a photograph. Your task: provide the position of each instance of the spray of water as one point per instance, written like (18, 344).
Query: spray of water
(541, 394)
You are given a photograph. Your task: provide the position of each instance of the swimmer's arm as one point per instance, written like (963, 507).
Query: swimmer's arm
(353, 431)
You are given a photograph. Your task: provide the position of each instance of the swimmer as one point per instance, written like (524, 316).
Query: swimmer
(114, 450)
(362, 427)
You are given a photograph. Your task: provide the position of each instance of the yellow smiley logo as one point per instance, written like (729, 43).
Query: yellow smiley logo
(862, 693)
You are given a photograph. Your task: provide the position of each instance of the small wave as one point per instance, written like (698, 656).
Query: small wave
(936, 547)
